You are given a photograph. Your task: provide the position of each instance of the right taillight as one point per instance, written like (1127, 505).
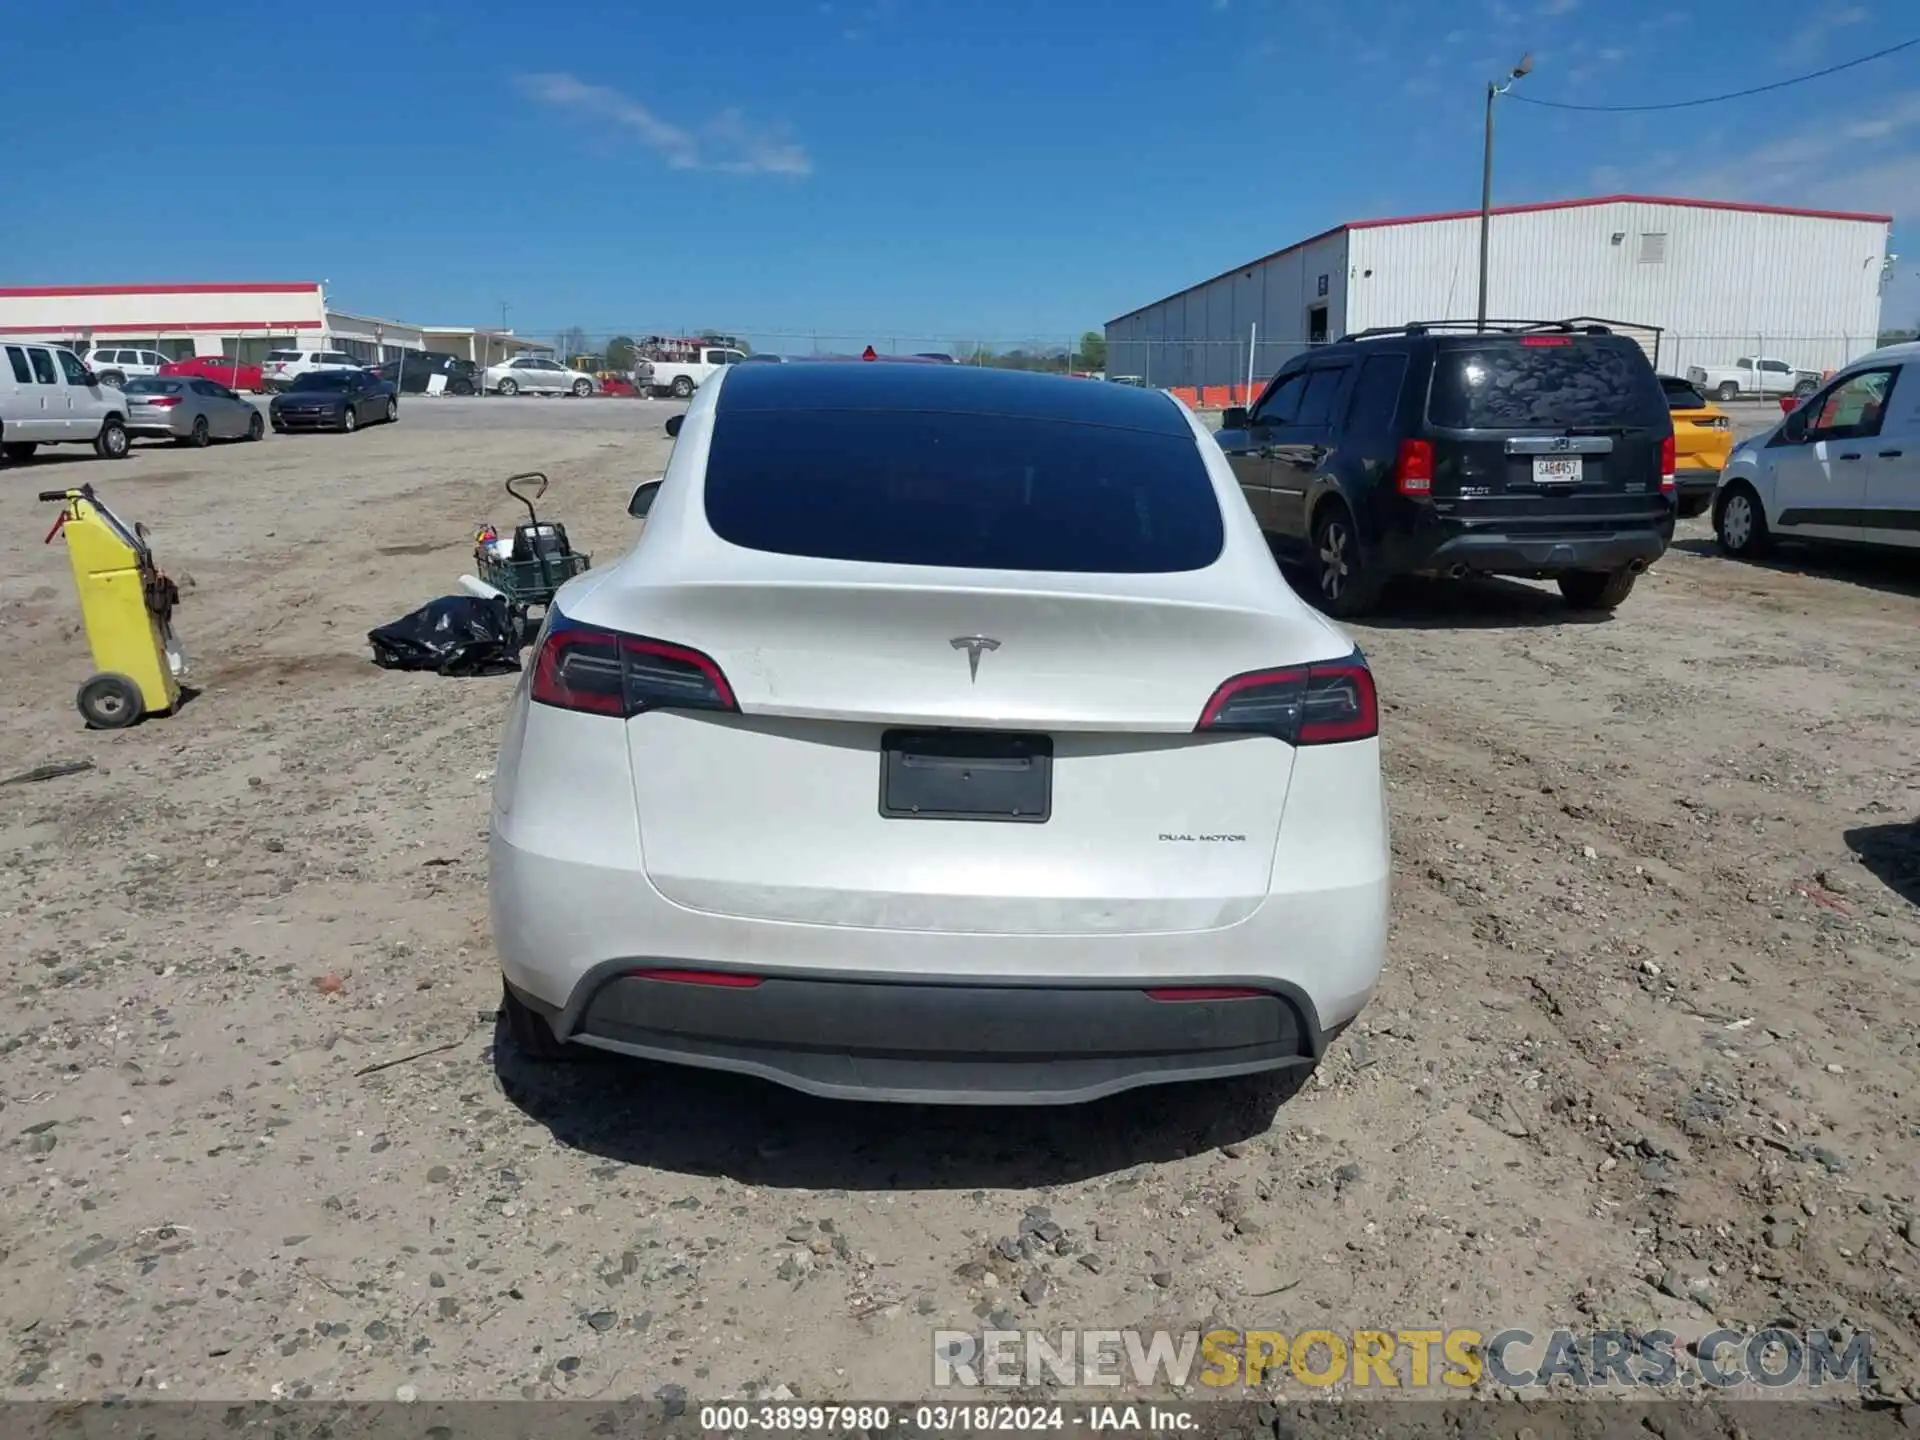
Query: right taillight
(1323, 704)
(604, 672)
(1413, 468)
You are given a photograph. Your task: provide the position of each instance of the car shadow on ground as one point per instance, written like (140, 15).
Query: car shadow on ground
(1892, 853)
(1891, 571)
(1413, 602)
(706, 1122)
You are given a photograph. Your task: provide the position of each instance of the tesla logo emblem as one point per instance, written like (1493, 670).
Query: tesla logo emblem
(974, 645)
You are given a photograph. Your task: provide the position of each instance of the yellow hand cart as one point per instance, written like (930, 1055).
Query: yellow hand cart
(126, 602)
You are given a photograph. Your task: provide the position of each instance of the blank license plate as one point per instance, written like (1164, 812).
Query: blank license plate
(1556, 469)
(961, 775)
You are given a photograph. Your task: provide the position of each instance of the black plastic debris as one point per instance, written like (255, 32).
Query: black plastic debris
(454, 635)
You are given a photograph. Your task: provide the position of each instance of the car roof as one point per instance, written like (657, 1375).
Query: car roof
(1905, 350)
(952, 389)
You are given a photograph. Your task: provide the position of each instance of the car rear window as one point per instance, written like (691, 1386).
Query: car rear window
(1551, 380)
(1681, 395)
(283, 355)
(962, 490)
(148, 386)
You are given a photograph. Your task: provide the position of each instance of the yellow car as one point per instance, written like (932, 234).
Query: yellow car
(1702, 443)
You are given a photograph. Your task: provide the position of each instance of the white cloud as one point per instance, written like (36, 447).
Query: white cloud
(726, 142)
(1867, 162)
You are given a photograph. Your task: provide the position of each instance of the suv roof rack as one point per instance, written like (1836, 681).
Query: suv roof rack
(1505, 327)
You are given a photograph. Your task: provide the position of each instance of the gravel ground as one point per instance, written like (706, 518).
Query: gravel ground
(1646, 1052)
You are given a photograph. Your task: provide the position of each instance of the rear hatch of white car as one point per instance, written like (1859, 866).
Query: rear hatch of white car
(281, 365)
(953, 679)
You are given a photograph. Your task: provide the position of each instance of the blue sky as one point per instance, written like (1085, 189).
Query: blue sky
(932, 169)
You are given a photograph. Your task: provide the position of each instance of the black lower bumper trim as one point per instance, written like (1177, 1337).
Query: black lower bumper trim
(1522, 554)
(947, 1043)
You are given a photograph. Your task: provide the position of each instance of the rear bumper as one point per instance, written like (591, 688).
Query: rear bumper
(1490, 547)
(877, 1038)
(1693, 484)
(932, 1017)
(165, 428)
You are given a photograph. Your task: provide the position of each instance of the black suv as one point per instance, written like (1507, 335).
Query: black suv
(412, 378)
(1530, 449)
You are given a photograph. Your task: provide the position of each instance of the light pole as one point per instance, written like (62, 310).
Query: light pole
(1494, 91)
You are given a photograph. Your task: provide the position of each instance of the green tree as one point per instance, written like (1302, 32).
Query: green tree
(620, 353)
(1093, 351)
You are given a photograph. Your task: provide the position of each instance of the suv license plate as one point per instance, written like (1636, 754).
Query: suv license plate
(1556, 469)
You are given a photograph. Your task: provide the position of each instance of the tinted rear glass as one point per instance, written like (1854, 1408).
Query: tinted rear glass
(151, 387)
(1510, 384)
(993, 492)
(1681, 395)
(283, 355)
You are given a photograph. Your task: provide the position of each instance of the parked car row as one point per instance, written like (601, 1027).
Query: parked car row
(49, 396)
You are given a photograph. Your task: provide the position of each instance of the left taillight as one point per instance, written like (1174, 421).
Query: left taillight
(1324, 704)
(1668, 483)
(605, 672)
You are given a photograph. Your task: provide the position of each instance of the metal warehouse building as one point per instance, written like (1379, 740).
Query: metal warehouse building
(1697, 281)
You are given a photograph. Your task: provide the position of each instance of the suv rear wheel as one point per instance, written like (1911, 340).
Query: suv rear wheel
(1597, 589)
(1344, 586)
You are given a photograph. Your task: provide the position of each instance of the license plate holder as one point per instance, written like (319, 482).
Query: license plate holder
(1557, 470)
(966, 775)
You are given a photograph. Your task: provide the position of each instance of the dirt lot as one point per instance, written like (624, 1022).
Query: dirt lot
(1647, 1052)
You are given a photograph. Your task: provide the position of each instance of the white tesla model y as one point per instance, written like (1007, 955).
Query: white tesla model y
(948, 735)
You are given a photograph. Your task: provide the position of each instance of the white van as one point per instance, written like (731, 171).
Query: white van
(1844, 466)
(47, 397)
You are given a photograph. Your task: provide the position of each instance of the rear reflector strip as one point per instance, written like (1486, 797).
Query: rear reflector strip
(725, 979)
(1204, 992)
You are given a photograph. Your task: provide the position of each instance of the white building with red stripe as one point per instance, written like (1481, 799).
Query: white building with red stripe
(243, 320)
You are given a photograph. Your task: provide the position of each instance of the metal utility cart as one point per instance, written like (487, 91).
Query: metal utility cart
(539, 559)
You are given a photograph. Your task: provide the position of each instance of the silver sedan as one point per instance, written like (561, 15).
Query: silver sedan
(190, 410)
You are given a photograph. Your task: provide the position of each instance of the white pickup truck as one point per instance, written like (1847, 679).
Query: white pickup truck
(680, 377)
(1756, 375)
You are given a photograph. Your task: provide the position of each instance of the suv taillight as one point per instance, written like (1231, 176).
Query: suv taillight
(1668, 484)
(1413, 468)
(1321, 704)
(604, 672)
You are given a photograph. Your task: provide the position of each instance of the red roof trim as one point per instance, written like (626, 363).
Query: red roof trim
(1514, 210)
(273, 287)
(153, 329)
(1738, 205)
